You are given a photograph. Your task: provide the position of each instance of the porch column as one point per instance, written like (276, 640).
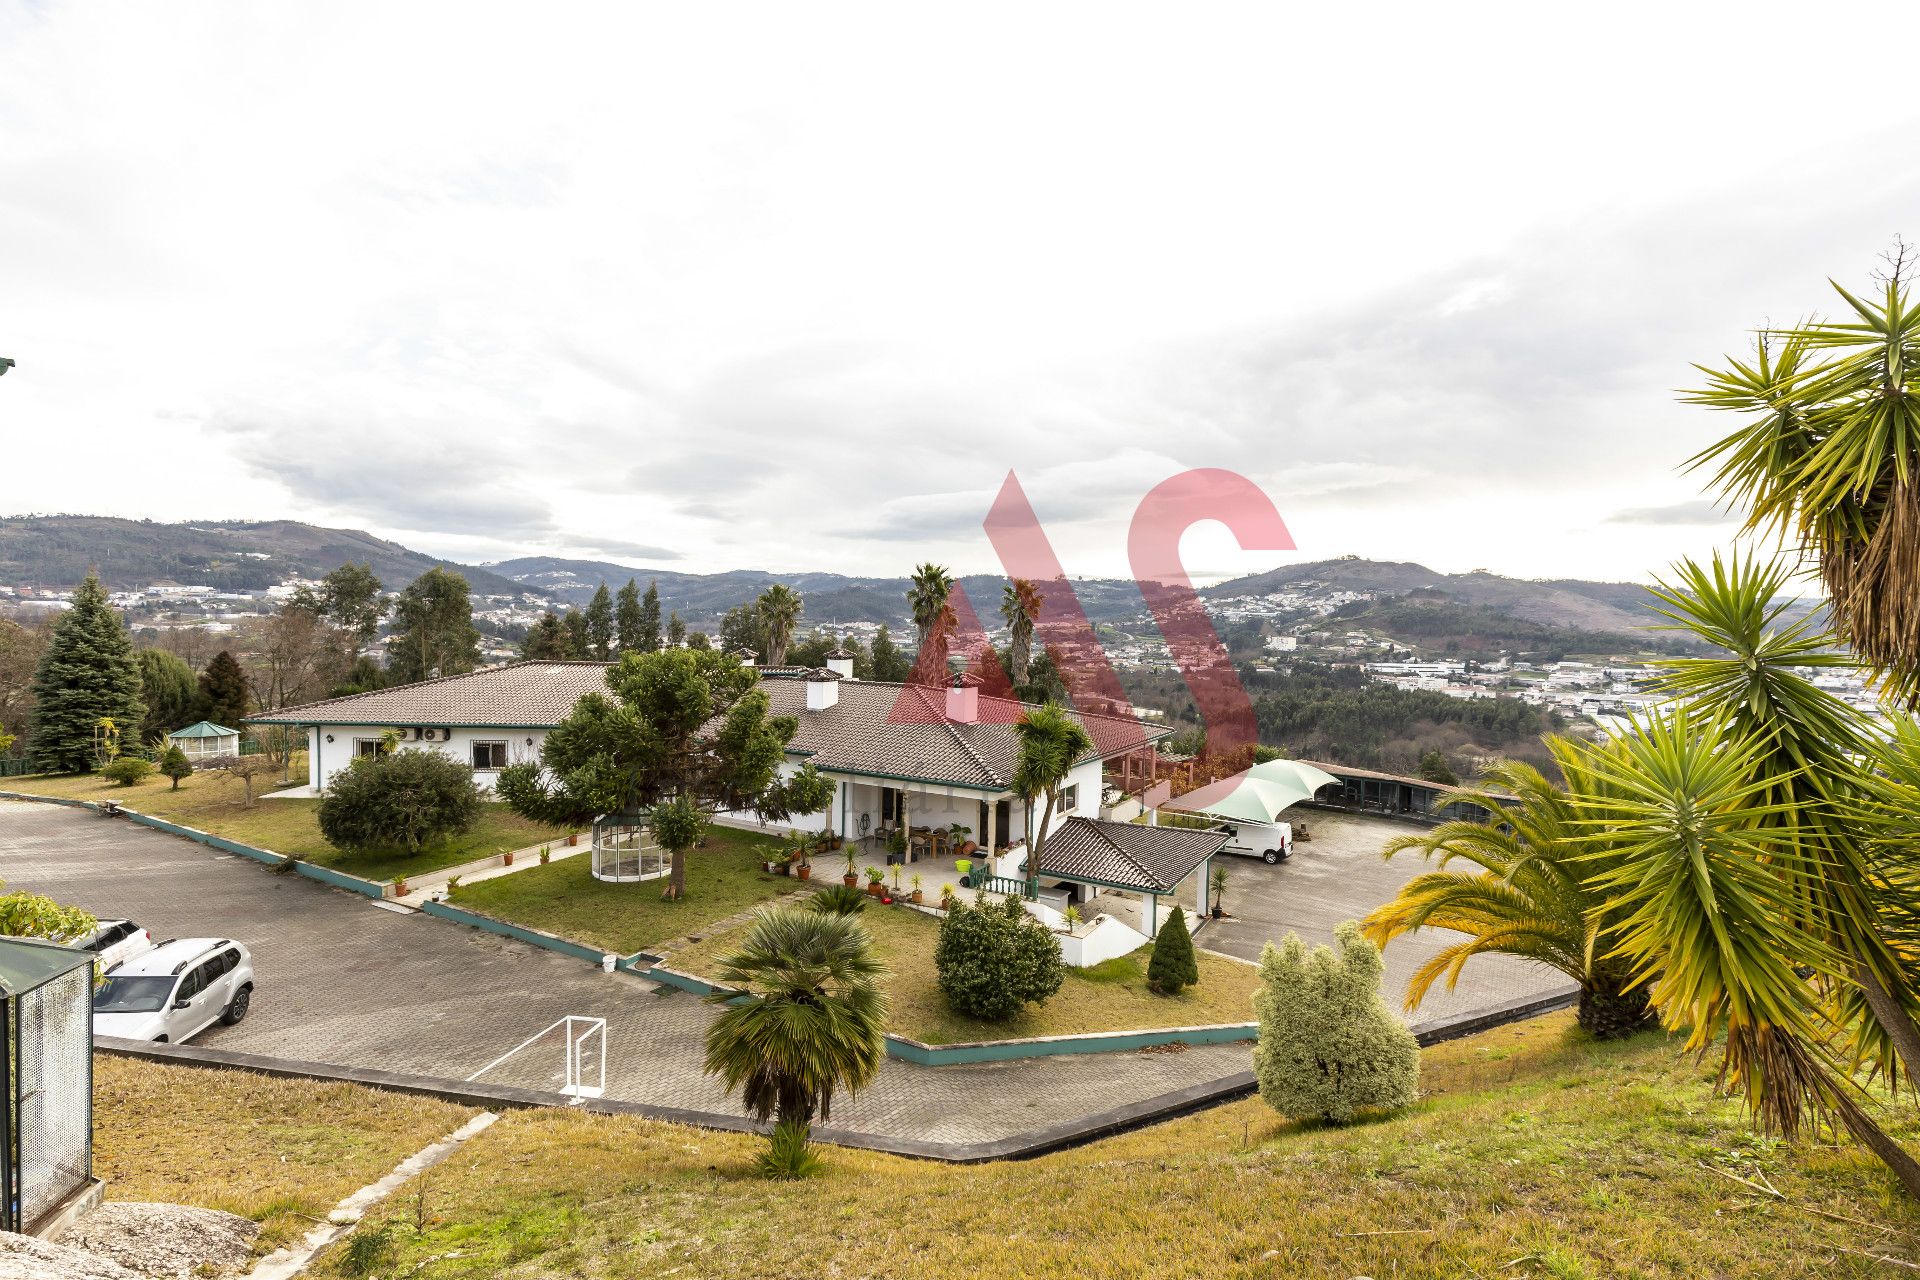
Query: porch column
(1201, 895)
(993, 824)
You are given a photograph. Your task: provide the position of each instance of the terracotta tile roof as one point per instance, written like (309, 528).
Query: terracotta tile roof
(890, 730)
(1150, 859)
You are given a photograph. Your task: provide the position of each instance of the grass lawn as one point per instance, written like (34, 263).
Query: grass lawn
(1535, 1155)
(1109, 997)
(217, 804)
(282, 1152)
(723, 878)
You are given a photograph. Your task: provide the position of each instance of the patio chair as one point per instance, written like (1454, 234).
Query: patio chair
(942, 842)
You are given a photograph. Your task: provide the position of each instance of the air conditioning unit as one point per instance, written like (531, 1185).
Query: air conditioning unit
(436, 735)
(408, 735)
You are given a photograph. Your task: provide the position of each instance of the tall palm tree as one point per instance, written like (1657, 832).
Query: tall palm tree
(779, 607)
(804, 1015)
(927, 594)
(1710, 871)
(1020, 605)
(1530, 896)
(1830, 454)
(1810, 749)
(1051, 743)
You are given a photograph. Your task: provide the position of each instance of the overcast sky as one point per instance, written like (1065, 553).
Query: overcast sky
(794, 286)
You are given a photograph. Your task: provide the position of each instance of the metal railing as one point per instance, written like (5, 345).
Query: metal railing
(575, 1053)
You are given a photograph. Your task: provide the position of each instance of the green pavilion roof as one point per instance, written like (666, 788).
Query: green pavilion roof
(205, 729)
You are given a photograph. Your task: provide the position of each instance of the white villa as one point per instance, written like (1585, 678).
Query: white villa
(901, 756)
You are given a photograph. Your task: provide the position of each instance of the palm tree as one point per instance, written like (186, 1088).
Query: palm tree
(1020, 606)
(1710, 872)
(927, 594)
(1051, 743)
(804, 1015)
(779, 608)
(1530, 897)
(1830, 454)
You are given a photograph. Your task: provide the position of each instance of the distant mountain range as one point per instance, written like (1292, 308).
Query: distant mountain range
(242, 555)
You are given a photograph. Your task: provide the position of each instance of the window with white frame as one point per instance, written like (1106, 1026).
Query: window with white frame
(366, 747)
(489, 756)
(1069, 797)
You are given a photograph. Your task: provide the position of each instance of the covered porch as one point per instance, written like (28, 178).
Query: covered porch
(938, 819)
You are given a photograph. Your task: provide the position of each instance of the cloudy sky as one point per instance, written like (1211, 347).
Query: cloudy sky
(795, 286)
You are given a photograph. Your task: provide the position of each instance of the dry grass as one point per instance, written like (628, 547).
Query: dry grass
(282, 1152)
(217, 804)
(1111, 997)
(1537, 1154)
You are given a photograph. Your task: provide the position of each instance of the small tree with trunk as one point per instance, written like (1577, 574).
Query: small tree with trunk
(679, 735)
(245, 768)
(175, 765)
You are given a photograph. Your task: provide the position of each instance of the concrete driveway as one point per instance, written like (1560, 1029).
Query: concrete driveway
(1340, 875)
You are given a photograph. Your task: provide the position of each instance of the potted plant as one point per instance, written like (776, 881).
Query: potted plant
(962, 839)
(399, 886)
(916, 887)
(897, 843)
(896, 879)
(453, 882)
(1071, 917)
(1218, 883)
(506, 859)
(852, 877)
(546, 854)
(876, 881)
(573, 838)
(800, 859)
(946, 897)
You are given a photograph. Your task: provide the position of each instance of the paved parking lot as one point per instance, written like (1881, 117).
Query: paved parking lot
(1340, 875)
(342, 981)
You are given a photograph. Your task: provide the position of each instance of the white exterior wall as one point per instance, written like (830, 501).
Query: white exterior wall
(1109, 937)
(325, 759)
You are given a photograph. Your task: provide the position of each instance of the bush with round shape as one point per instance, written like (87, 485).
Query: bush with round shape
(402, 800)
(995, 959)
(127, 770)
(1329, 1047)
(839, 900)
(175, 765)
(1173, 964)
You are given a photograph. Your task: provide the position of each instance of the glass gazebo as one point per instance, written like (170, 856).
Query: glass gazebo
(624, 851)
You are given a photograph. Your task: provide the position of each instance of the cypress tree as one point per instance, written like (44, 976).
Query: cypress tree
(546, 639)
(650, 619)
(600, 625)
(677, 632)
(87, 674)
(223, 691)
(168, 689)
(575, 625)
(627, 617)
(1173, 965)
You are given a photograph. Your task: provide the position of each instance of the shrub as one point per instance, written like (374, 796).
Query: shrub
(403, 800)
(839, 900)
(789, 1155)
(127, 770)
(1173, 964)
(1329, 1047)
(994, 960)
(174, 764)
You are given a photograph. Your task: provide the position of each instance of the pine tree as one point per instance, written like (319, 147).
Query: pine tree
(650, 619)
(224, 697)
(627, 618)
(1435, 768)
(546, 639)
(87, 674)
(1329, 1047)
(1173, 965)
(174, 764)
(888, 662)
(167, 687)
(600, 625)
(677, 631)
(433, 632)
(575, 625)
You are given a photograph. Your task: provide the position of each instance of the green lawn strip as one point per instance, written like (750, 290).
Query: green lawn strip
(216, 805)
(1537, 1155)
(723, 878)
(1109, 997)
(282, 1152)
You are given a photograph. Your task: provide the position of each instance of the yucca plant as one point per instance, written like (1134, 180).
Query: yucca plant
(1528, 896)
(803, 1015)
(1830, 457)
(790, 1154)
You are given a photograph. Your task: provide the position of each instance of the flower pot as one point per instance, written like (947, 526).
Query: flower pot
(916, 897)
(876, 889)
(399, 888)
(850, 880)
(506, 859)
(573, 838)
(804, 871)
(966, 850)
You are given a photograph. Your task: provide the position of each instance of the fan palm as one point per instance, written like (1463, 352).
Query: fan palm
(927, 593)
(1051, 743)
(1707, 865)
(1020, 606)
(1529, 898)
(1829, 455)
(779, 607)
(804, 1015)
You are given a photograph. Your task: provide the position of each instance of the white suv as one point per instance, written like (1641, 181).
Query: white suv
(175, 991)
(115, 942)
(1271, 842)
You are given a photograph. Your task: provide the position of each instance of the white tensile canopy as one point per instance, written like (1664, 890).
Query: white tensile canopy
(1261, 794)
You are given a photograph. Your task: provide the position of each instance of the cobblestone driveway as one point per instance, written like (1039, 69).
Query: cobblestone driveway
(342, 981)
(1340, 875)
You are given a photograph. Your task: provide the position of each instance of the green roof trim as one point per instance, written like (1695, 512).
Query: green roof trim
(205, 729)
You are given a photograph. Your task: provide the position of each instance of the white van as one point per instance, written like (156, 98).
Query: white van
(1271, 842)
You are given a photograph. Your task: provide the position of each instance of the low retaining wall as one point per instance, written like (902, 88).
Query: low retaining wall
(520, 932)
(325, 875)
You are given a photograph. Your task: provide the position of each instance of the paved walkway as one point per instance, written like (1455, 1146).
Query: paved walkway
(343, 981)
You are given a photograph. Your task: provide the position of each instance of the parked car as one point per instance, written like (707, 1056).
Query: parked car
(115, 942)
(1271, 842)
(175, 991)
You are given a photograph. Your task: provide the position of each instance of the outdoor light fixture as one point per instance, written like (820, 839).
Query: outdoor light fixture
(529, 741)
(329, 737)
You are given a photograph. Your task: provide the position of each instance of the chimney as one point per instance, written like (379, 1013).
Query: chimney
(747, 656)
(840, 662)
(963, 700)
(823, 689)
